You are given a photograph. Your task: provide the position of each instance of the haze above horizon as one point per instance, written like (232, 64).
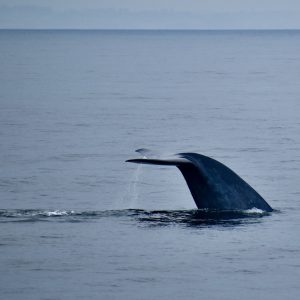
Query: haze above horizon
(155, 14)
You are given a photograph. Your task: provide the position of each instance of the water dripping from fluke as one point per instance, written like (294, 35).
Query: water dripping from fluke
(131, 197)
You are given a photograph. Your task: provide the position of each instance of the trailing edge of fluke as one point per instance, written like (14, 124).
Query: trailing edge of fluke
(212, 185)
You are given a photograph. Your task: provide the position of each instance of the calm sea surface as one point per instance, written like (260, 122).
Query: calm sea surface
(77, 222)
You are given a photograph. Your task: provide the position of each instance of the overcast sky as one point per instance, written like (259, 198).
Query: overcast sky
(170, 14)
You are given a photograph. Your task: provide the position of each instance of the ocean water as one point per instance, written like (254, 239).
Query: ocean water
(77, 222)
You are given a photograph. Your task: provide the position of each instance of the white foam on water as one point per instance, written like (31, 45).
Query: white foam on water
(254, 210)
(58, 213)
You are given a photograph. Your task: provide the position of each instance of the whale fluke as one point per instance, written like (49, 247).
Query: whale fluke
(212, 184)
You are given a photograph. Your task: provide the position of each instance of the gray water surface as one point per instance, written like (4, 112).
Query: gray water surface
(77, 222)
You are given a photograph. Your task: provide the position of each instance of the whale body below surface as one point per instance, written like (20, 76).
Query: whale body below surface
(212, 184)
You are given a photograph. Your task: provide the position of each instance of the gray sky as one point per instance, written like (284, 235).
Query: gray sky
(209, 14)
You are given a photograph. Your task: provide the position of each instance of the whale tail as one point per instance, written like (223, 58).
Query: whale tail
(158, 161)
(155, 158)
(212, 184)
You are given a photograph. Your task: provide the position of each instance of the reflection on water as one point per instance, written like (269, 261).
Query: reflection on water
(200, 217)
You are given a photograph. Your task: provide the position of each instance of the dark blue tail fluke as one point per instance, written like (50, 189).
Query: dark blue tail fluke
(212, 184)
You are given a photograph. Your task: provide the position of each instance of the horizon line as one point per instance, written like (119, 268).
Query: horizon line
(158, 29)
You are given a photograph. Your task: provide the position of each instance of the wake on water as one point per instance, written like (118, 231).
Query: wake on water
(154, 217)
